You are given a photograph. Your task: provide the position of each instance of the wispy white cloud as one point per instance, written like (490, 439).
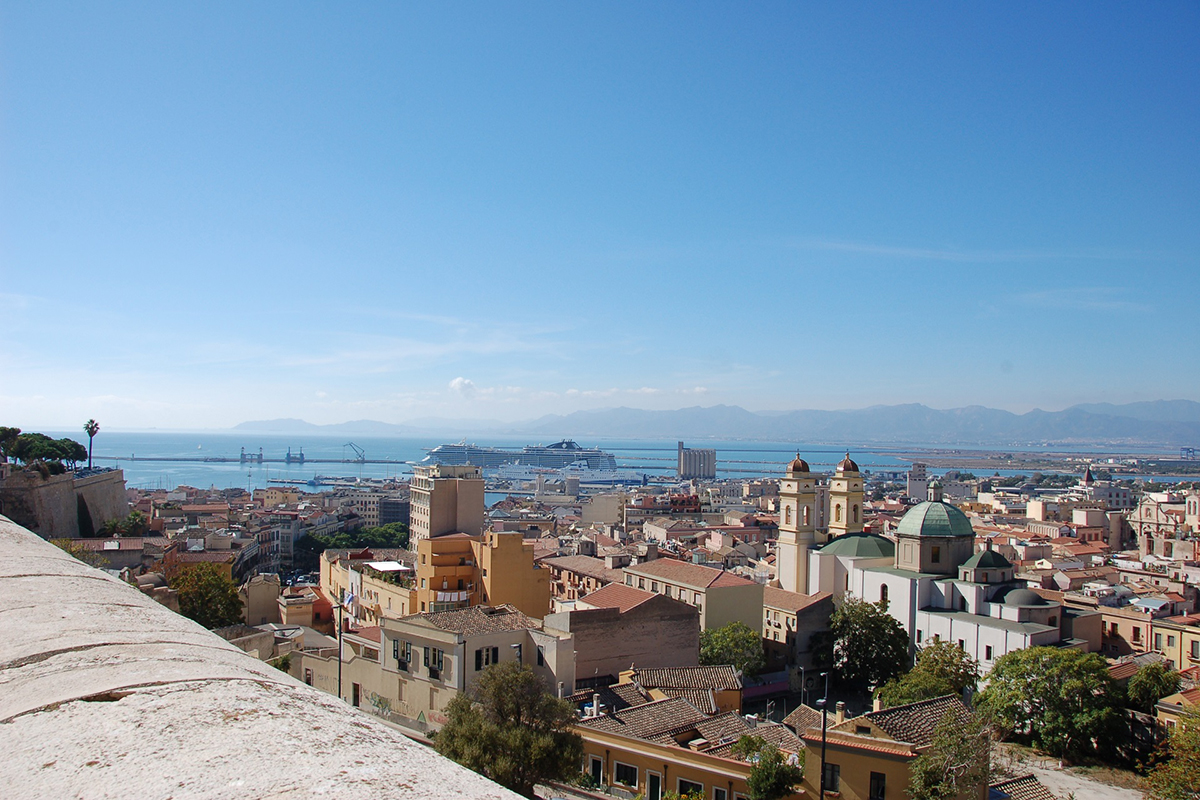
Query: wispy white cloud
(1084, 298)
(955, 254)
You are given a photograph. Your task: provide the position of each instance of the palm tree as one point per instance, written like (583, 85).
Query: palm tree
(91, 428)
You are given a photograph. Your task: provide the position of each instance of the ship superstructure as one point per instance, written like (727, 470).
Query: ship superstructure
(552, 456)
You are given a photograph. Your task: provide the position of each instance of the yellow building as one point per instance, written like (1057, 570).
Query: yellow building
(668, 745)
(869, 757)
(1178, 639)
(460, 570)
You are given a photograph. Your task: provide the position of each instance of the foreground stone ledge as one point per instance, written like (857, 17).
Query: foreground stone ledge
(106, 694)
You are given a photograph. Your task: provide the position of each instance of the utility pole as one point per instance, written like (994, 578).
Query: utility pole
(821, 704)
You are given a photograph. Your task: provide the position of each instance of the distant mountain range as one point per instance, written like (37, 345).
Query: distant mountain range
(1161, 422)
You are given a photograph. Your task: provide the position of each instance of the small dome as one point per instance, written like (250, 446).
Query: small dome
(847, 465)
(798, 464)
(987, 559)
(1024, 597)
(934, 518)
(859, 545)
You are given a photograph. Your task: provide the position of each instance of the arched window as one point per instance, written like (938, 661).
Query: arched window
(883, 593)
(806, 521)
(854, 511)
(837, 513)
(787, 516)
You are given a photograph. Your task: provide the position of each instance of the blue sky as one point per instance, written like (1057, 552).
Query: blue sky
(218, 212)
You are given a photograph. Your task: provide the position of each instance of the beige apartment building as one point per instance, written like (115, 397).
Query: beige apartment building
(721, 597)
(445, 499)
(410, 669)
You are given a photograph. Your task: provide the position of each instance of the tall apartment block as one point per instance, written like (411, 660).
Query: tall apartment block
(444, 499)
(697, 463)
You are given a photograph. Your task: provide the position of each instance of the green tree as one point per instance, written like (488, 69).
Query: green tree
(1150, 684)
(307, 550)
(1175, 774)
(913, 687)
(8, 438)
(75, 548)
(133, 525)
(1060, 701)
(91, 428)
(737, 644)
(30, 447)
(510, 729)
(207, 596)
(771, 776)
(942, 668)
(957, 762)
(870, 647)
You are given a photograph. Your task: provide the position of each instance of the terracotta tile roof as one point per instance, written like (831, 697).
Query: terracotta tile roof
(585, 565)
(647, 720)
(1123, 671)
(803, 718)
(913, 723)
(772, 732)
(718, 678)
(614, 698)
(371, 634)
(790, 601)
(617, 595)
(703, 699)
(692, 575)
(209, 557)
(478, 619)
(1024, 788)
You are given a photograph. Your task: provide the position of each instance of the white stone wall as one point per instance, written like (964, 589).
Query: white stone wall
(108, 694)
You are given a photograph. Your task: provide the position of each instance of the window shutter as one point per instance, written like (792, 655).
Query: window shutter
(426, 655)
(495, 655)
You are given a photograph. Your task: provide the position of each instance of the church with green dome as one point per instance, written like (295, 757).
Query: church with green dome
(938, 587)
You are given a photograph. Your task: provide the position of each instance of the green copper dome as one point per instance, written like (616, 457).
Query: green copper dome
(987, 559)
(860, 545)
(934, 518)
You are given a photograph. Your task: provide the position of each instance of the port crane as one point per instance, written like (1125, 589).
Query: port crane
(360, 454)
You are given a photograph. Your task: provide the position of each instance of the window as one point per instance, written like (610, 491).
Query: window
(833, 778)
(987, 653)
(1170, 640)
(434, 662)
(1158, 641)
(878, 786)
(654, 586)
(1137, 634)
(308, 676)
(720, 794)
(541, 656)
(854, 513)
(641, 583)
(935, 554)
(1196, 648)
(625, 774)
(962, 645)
(883, 593)
(696, 598)
(862, 730)
(837, 513)
(485, 656)
(920, 634)
(687, 787)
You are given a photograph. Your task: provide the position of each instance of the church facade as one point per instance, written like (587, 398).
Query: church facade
(930, 577)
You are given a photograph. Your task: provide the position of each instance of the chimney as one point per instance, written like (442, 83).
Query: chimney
(877, 705)
(752, 720)
(595, 704)
(841, 712)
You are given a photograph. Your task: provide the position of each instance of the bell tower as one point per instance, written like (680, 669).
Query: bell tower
(797, 512)
(845, 499)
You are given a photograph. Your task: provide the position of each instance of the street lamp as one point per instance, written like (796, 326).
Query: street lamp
(821, 704)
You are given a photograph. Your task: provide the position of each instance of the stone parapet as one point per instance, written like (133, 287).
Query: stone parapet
(105, 693)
